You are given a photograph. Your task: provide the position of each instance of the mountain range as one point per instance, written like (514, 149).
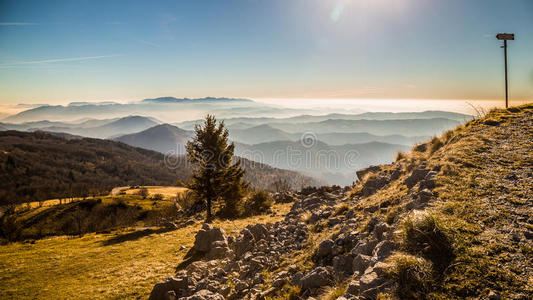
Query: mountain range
(168, 109)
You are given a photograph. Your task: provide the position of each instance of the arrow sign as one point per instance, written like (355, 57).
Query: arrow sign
(505, 36)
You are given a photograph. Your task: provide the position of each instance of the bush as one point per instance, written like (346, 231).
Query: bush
(143, 192)
(424, 235)
(186, 199)
(412, 274)
(257, 203)
(436, 144)
(157, 197)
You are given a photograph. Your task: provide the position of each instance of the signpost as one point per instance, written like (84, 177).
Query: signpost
(505, 37)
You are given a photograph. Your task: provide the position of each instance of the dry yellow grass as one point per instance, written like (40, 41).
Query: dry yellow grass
(168, 192)
(93, 268)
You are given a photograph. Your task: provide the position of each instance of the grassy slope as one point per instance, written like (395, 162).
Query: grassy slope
(483, 206)
(113, 266)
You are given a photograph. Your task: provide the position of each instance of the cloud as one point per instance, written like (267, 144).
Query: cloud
(17, 24)
(149, 43)
(55, 60)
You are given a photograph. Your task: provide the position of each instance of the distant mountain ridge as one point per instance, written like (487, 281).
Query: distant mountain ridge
(111, 129)
(362, 116)
(196, 100)
(162, 108)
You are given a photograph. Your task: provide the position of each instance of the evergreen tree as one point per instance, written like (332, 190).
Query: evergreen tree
(214, 176)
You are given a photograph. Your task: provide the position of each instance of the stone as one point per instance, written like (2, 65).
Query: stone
(381, 268)
(353, 287)
(361, 262)
(494, 296)
(295, 279)
(380, 229)
(258, 231)
(372, 293)
(372, 185)
(206, 236)
(197, 269)
(343, 265)
(325, 248)
(204, 295)
(318, 277)
(384, 249)
(365, 247)
(417, 175)
(334, 221)
(362, 172)
(370, 280)
(171, 287)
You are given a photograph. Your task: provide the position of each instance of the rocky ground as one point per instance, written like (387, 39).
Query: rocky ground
(452, 219)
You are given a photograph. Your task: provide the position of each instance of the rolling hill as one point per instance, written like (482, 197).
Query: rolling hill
(111, 129)
(162, 138)
(259, 134)
(362, 116)
(333, 164)
(406, 127)
(36, 166)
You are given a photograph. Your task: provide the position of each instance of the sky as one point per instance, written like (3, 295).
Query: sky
(62, 51)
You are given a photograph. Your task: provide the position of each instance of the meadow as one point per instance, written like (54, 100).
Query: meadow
(122, 264)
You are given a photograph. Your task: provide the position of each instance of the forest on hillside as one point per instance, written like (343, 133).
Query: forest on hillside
(37, 166)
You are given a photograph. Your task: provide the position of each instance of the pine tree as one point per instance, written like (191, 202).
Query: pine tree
(214, 176)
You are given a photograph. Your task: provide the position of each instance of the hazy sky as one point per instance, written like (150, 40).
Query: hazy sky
(62, 51)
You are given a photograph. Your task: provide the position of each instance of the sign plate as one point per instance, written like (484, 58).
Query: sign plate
(505, 36)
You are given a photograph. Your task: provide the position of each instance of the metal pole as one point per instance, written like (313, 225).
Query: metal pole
(506, 89)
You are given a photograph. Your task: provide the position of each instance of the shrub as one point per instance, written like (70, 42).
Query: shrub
(341, 209)
(143, 192)
(186, 200)
(435, 145)
(257, 203)
(157, 197)
(391, 215)
(423, 235)
(332, 293)
(412, 274)
(293, 293)
(400, 155)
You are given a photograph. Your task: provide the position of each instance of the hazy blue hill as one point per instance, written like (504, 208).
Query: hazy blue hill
(306, 118)
(166, 100)
(430, 114)
(320, 159)
(88, 123)
(363, 137)
(259, 134)
(120, 126)
(162, 138)
(407, 127)
(33, 125)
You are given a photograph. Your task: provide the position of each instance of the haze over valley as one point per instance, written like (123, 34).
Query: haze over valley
(329, 147)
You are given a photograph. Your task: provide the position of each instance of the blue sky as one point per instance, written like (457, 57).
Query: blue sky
(62, 51)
